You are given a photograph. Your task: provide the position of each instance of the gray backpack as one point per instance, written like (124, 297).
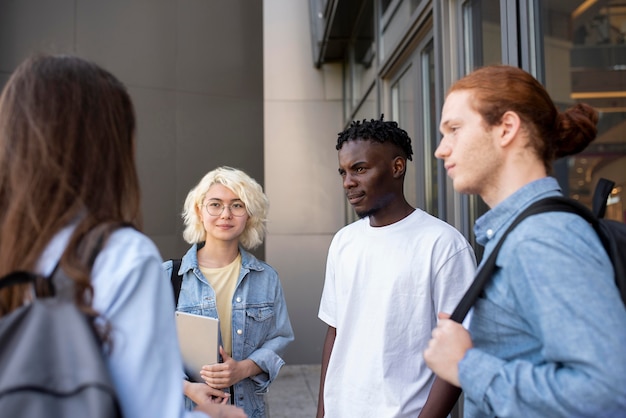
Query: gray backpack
(51, 360)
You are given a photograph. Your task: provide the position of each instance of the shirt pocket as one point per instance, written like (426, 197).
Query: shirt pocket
(259, 322)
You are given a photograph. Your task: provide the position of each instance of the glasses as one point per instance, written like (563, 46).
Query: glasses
(216, 208)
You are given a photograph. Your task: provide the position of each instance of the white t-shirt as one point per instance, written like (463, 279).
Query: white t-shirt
(383, 289)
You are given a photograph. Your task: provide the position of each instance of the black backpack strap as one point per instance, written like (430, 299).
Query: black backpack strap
(549, 204)
(17, 277)
(89, 250)
(600, 196)
(177, 280)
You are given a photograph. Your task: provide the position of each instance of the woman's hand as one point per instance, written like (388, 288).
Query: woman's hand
(229, 372)
(202, 393)
(449, 343)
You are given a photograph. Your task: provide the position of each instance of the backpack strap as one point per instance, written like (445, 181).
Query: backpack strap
(176, 279)
(58, 283)
(601, 195)
(549, 204)
(89, 248)
(17, 277)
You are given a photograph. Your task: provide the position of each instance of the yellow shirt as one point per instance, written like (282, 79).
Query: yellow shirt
(223, 280)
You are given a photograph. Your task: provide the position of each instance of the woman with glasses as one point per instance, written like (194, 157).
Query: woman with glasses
(225, 215)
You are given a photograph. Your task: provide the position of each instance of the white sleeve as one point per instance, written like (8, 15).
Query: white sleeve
(328, 305)
(132, 292)
(453, 279)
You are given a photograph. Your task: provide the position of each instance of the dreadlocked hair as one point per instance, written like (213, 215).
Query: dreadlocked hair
(379, 131)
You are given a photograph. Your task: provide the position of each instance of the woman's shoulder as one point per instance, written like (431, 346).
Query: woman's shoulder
(128, 261)
(126, 250)
(129, 242)
(250, 261)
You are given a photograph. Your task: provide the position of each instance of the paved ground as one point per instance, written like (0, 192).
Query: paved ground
(294, 392)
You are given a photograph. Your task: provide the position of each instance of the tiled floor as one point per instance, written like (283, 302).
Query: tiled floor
(294, 392)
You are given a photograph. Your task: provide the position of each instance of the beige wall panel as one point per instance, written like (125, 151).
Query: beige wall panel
(302, 181)
(300, 262)
(333, 81)
(287, 53)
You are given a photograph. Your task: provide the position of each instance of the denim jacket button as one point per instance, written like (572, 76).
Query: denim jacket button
(238, 299)
(239, 332)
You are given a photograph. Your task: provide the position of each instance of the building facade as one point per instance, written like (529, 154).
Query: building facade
(266, 86)
(397, 58)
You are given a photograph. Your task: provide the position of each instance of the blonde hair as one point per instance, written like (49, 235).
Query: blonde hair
(246, 188)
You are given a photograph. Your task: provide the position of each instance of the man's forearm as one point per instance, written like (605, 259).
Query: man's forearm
(441, 399)
(329, 342)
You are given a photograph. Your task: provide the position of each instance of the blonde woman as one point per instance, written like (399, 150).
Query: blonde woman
(225, 215)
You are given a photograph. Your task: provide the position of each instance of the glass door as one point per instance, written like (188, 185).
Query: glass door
(413, 106)
(481, 35)
(584, 53)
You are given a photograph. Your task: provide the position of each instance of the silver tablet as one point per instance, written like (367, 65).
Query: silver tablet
(198, 339)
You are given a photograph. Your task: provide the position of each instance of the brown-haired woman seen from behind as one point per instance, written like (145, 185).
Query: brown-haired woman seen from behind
(67, 175)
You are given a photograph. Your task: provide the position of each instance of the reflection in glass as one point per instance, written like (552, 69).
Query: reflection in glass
(367, 110)
(403, 112)
(482, 45)
(481, 33)
(430, 131)
(585, 61)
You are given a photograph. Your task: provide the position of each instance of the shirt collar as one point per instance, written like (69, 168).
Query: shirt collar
(494, 222)
(248, 261)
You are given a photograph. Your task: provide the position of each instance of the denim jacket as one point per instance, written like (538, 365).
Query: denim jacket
(548, 332)
(261, 329)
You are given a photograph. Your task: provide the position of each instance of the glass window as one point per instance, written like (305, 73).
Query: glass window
(413, 106)
(384, 5)
(359, 73)
(482, 45)
(366, 110)
(482, 37)
(429, 129)
(403, 111)
(585, 61)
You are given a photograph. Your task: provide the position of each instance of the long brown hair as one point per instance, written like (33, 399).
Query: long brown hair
(497, 89)
(66, 153)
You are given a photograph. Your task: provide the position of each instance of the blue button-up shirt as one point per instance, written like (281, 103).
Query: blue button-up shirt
(549, 332)
(261, 329)
(135, 299)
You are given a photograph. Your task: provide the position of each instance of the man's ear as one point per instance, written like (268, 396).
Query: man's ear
(509, 128)
(399, 166)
